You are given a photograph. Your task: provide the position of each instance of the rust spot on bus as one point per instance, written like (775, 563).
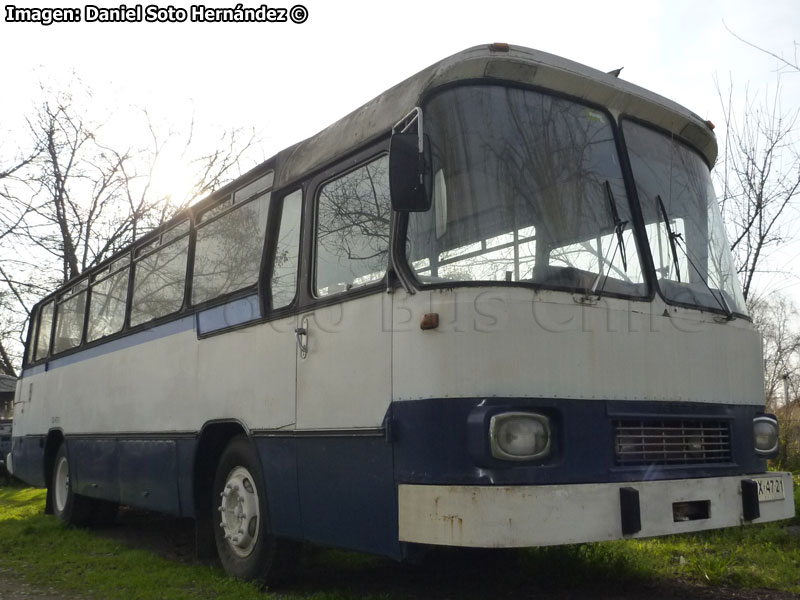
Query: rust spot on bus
(453, 520)
(429, 321)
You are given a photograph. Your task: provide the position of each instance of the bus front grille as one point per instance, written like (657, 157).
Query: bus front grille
(671, 442)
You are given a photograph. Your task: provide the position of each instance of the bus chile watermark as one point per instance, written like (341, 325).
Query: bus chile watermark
(154, 13)
(491, 311)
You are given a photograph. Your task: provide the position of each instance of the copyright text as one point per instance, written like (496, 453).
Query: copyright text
(154, 13)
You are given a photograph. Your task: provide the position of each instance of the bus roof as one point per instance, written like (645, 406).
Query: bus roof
(488, 62)
(491, 63)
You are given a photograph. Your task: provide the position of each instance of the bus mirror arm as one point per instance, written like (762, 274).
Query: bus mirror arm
(395, 272)
(394, 275)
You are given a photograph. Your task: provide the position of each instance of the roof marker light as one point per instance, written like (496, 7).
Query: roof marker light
(499, 47)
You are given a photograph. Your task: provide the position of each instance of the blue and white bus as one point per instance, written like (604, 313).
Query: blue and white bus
(493, 307)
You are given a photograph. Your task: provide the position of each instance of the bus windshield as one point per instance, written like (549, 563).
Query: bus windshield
(527, 187)
(684, 227)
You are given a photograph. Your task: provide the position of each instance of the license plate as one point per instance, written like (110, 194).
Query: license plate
(769, 488)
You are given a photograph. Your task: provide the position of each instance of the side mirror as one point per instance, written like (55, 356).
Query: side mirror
(410, 166)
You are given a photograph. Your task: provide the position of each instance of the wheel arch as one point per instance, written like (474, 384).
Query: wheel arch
(55, 437)
(212, 440)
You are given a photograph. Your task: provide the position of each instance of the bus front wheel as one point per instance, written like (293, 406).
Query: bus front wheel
(71, 508)
(244, 543)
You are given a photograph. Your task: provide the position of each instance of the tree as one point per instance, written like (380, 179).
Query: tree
(80, 197)
(784, 64)
(776, 319)
(12, 216)
(759, 173)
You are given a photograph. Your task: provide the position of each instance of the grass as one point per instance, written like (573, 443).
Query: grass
(760, 556)
(40, 550)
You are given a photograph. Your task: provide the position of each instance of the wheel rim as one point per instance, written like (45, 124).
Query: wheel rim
(239, 509)
(61, 484)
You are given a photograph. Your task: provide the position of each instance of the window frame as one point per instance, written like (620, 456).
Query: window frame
(199, 223)
(32, 335)
(655, 287)
(268, 310)
(341, 169)
(51, 300)
(147, 248)
(104, 274)
(80, 286)
(637, 222)
(141, 247)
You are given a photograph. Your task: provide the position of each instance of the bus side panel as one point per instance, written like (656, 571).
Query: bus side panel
(28, 461)
(95, 464)
(279, 464)
(185, 449)
(347, 493)
(148, 475)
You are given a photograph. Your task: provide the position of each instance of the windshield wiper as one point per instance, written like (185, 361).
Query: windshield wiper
(619, 228)
(672, 237)
(619, 225)
(674, 242)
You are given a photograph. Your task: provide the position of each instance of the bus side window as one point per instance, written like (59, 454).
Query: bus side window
(44, 329)
(33, 327)
(228, 249)
(284, 273)
(70, 311)
(108, 299)
(159, 276)
(353, 218)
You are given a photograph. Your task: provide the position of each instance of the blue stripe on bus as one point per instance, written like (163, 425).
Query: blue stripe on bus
(141, 337)
(33, 371)
(227, 315)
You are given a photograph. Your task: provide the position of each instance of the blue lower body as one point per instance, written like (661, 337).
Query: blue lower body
(340, 489)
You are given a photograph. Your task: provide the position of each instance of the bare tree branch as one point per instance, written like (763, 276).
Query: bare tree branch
(78, 198)
(760, 176)
(792, 64)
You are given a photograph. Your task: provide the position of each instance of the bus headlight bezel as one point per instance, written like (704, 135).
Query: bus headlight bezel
(766, 441)
(539, 430)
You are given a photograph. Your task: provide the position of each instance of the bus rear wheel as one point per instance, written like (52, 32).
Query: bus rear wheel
(244, 543)
(71, 508)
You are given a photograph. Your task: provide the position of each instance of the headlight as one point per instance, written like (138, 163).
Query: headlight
(519, 436)
(765, 433)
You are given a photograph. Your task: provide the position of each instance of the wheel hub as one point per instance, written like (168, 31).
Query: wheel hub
(61, 485)
(239, 509)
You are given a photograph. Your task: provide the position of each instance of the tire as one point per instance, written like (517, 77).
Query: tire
(244, 543)
(71, 508)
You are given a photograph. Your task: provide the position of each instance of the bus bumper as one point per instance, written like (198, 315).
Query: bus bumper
(518, 516)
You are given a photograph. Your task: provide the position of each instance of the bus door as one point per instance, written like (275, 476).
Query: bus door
(344, 365)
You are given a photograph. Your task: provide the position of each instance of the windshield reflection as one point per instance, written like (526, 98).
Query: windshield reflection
(682, 221)
(527, 188)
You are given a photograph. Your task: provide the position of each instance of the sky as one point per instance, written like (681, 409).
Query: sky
(289, 80)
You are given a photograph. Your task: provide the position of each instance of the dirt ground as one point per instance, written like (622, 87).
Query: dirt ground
(472, 576)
